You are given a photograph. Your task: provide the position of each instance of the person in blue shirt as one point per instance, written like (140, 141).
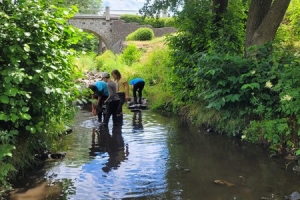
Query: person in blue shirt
(100, 93)
(137, 86)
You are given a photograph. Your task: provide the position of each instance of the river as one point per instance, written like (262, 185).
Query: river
(156, 157)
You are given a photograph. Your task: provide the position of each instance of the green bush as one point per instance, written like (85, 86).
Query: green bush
(141, 34)
(109, 61)
(155, 22)
(131, 54)
(37, 90)
(128, 18)
(105, 61)
(169, 22)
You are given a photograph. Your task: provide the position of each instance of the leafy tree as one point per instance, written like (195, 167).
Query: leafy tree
(37, 90)
(264, 17)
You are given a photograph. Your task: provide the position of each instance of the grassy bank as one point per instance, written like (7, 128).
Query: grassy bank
(237, 103)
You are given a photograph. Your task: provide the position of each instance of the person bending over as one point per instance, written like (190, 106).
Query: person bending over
(100, 93)
(137, 86)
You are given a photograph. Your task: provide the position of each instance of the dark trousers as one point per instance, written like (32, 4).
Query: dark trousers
(100, 109)
(122, 101)
(138, 87)
(111, 109)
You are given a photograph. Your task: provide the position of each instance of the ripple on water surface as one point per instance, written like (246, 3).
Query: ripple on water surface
(136, 170)
(150, 157)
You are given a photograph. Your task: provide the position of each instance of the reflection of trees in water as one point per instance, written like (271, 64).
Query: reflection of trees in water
(113, 144)
(137, 121)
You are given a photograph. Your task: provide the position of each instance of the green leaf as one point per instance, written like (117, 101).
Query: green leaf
(232, 97)
(5, 150)
(12, 92)
(298, 152)
(50, 75)
(26, 47)
(251, 86)
(25, 109)
(53, 67)
(58, 90)
(221, 82)
(33, 130)
(28, 96)
(4, 117)
(8, 79)
(4, 99)
(212, 72)
(27, 34)
(47, 90)
(25, 116)
(14, 117)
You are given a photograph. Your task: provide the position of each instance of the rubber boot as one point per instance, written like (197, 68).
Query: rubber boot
(134, 100)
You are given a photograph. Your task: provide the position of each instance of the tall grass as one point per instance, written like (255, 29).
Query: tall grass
(86, 62)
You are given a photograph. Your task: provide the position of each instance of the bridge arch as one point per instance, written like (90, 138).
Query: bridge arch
(100, 36)
(97, 25)
(101, 40)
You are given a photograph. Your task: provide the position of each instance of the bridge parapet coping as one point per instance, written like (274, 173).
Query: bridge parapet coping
(87, 16)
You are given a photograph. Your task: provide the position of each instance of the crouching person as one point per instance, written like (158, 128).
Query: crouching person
(100, 93)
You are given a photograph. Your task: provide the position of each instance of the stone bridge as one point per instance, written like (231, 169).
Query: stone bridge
(110, 30)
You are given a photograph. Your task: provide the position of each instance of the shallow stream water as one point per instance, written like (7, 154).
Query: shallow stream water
(156, 157)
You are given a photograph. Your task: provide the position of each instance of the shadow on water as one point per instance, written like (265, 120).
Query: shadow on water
(155, 157)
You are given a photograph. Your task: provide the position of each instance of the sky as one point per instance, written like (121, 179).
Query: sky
(124, 6)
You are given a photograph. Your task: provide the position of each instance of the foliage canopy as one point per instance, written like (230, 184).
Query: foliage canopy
(37, 90)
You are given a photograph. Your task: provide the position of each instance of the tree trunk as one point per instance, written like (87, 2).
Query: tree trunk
(263, 20)
(219, 7)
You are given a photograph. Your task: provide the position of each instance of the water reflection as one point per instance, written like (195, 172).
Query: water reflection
(167, 160)
(137, 123)
(115, 148)
(113, 144)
